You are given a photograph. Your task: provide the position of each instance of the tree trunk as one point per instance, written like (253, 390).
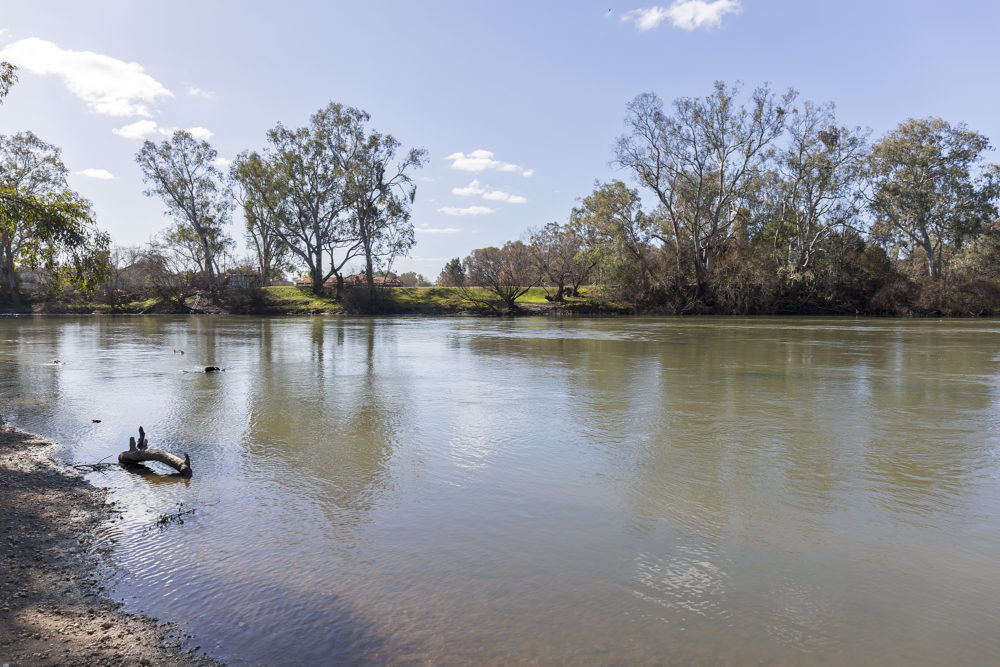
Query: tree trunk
(9, 275)
(9, 279)
(317, 279)
(138, 453)
(677, 246)
(933, 266)
(559, 292)
(340, 286)
(700, 272)
(370, 275)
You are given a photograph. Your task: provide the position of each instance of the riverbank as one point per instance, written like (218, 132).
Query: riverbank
(303, 301)
(53, 610)
(944, 299)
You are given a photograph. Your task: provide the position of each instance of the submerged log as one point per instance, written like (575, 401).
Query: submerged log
(139, 452)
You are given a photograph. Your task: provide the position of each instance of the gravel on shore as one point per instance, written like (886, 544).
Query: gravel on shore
(53, 610)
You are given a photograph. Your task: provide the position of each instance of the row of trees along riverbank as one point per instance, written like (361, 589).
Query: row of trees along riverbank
(768, 205)
(317, 197)
(757, 203)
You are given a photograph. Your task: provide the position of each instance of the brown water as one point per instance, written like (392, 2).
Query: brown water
(610, 491)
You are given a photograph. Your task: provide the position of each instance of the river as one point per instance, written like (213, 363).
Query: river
(537, 491)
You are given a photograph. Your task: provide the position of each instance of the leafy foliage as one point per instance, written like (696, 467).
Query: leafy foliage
(43, 224)
(453, 274)
(8, 77)
(181, 172)
(506, 273)
(560, 257)
(931, 188)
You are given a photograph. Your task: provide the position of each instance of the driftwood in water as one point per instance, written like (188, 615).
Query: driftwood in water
(139, 452)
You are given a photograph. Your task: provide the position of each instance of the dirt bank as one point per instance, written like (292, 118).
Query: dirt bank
(52, 609)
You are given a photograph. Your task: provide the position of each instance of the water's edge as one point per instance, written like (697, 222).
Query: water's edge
(61, 609)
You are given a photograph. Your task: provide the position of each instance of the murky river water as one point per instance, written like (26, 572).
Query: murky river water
(469, 491)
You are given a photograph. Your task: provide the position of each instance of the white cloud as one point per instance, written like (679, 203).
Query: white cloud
(684, 14)
(480, 160)
(476, 188)
(143, 128)
(528, 173)
(424, 229)
(469, 210)
(101, 174)
(472, 189)
(194, 91)
(222, 162)
(136, 130)
(500, 195)
(202, 133)
(107, 85)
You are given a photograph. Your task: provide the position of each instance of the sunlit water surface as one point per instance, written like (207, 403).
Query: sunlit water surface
(469, 491)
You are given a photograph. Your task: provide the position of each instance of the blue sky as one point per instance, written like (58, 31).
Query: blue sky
(517, 103)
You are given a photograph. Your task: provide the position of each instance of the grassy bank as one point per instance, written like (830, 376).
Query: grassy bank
(303, 301)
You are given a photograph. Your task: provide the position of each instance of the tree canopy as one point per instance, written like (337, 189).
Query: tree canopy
(181, 171)
(8, 77)
(702, 161)
(43, 224)
(931, 187)
(332, 191)
(507, 272)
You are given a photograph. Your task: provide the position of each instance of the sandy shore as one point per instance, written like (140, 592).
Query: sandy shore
(52, 609)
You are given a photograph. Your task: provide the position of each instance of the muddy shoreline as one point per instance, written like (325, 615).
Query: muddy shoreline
(53, 609)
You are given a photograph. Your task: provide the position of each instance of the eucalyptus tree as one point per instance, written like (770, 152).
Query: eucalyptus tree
(559, 253)
(30, 165)
(819, 181)
(300, 181)
(702, 161)
(615, 227)
(181, 171)
(380, 191)
(8, 77)
(44, 224)
(269, 247)
(931, 187)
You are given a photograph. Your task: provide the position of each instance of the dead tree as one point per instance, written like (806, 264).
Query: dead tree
(139, 452)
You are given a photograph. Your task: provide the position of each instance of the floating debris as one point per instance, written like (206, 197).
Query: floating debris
(176, 517)
(100, 466)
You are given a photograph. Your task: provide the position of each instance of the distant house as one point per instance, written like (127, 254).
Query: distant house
(281, 283)
(361, 279)
(353, 281)
(242, 279)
